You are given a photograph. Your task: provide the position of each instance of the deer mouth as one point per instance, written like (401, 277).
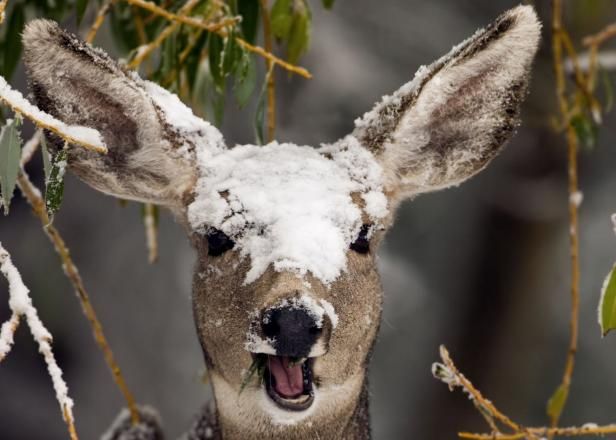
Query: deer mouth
(288, 382)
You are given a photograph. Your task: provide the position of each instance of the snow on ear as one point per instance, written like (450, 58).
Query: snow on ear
(151, 135)
(448, 122)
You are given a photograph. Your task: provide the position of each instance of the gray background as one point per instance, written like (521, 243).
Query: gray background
(483, 268)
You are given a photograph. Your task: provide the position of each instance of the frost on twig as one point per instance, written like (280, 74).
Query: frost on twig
(20, 304)
(74, 134)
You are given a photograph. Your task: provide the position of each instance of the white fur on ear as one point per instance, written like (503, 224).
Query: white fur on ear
(150, 134)
(448, 122)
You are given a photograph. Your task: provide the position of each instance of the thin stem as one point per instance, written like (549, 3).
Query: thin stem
(600, 37)
(478, 399)
(34, 198)
(271, 84)
(151, 232)
(98, 22)
(3, 4)
(557, 47)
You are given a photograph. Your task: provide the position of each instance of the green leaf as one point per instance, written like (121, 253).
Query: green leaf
(54, 190)
(215, 48)
(12, 41)
(281, 18)
(46, 158)
(10, 153)
(607, 303)
(232, 55)
(328, 4)
(246, 80)
(556, 404)
(81, 7)
(249, 10)
(299, 39)
(257, 367)
(585, 130)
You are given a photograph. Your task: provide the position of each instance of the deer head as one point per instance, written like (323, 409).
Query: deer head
(287, 235)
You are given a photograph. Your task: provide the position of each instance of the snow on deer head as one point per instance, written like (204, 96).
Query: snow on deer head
(287, 235)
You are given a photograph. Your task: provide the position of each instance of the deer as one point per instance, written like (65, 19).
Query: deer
(286, 294)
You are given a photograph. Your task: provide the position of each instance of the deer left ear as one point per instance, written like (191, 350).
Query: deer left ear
(447, 124)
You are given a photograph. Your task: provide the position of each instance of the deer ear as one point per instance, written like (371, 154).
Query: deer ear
(447, 124)
(150, 134)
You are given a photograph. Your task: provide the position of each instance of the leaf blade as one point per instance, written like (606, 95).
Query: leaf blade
(10, 153)
(607, 303)
(557, 402)
(54, 186)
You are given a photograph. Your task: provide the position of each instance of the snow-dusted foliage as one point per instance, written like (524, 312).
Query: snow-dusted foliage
(21, 305)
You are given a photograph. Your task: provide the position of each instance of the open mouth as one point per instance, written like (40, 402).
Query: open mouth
(288, 381)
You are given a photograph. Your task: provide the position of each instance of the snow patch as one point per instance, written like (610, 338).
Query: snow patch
(289, 206)
(199, 133)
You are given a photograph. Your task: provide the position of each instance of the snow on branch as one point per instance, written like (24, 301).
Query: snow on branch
(448, 373)
(21, 305)
(74, 134)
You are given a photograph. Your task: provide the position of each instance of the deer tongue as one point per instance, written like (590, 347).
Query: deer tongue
(289, 377)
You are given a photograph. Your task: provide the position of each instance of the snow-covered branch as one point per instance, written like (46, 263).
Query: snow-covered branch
(21, 305)
(73, 134)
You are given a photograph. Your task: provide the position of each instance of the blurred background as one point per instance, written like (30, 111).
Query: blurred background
(483, 268)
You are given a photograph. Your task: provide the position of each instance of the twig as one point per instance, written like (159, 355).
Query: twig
(145, 51)
(77, 135)
(151, 231)
(34, 198)
(572, 431)
(7, 331)
(212, 28)
(271, 84)
(449, 373)
(600, 37)
(100, 18)
(557, 47)
(21, 305)
(2, 8)
(594, 42)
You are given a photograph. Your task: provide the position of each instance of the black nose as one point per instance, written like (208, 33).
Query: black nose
(292, 329)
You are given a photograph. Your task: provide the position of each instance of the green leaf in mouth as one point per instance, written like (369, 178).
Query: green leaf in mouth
(257, 367)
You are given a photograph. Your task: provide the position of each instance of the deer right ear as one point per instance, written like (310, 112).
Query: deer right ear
(151, 136)
(453, 118)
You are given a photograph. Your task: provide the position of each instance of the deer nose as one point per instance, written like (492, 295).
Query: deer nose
(292, 330)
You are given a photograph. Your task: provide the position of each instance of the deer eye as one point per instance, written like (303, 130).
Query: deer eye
(218, 243)
(361, 245)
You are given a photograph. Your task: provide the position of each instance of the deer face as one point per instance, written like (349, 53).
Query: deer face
(286, 235)
(286, 273)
